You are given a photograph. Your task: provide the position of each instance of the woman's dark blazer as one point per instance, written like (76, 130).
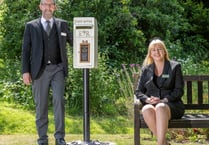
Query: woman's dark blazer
(32, 48)
(171, 85)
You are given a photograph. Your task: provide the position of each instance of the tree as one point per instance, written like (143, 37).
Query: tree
(14, 16)
(125, 28)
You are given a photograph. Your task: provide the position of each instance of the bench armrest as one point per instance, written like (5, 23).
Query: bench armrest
(137, 102)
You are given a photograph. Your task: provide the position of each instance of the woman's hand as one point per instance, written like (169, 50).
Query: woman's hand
(153, 100)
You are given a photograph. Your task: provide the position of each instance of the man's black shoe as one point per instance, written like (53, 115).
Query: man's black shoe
(60, 141)
(43, 144)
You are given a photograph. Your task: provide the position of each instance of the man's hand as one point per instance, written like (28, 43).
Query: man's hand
(27, 78)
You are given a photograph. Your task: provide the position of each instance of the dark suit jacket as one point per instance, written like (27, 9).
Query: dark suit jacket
(171, 86)
(32, 48)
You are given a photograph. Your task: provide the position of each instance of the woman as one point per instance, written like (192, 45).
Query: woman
(160, 89)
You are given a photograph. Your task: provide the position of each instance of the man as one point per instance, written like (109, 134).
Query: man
(45, 65)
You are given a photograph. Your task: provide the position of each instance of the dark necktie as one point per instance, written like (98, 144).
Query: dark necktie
(48, 27)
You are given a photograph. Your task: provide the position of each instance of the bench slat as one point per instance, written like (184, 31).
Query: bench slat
(208, 92)
(196, 106)
(187, 121)
(196, 77)
(200, 92)
(189, 92)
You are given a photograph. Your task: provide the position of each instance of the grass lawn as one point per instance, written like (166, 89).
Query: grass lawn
(17, 127)
(119, 139)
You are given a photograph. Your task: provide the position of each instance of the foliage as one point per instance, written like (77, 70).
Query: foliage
(125, 28)
(102, 89)
(100, 81)
(117, 32)
(12, 88)
(126, 79)
(196, 135)
(14, 16)
(190, 67)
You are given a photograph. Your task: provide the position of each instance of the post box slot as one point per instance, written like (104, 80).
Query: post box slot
(84, 26)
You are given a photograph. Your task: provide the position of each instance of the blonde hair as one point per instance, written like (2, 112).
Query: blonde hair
(148, 59)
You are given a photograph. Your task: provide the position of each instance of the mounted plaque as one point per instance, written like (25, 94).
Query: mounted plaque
(84, 52)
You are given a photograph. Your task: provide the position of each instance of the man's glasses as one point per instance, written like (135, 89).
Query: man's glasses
(48, 5)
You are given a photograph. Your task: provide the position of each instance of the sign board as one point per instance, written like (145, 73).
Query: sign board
(85, 42)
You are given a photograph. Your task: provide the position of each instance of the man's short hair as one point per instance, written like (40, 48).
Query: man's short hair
(53, 1)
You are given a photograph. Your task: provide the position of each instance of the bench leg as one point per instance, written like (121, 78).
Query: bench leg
(136, 125)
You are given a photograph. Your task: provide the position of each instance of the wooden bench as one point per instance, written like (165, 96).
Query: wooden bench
(196, 100)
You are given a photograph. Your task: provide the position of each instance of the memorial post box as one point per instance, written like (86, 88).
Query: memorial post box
(85, 42)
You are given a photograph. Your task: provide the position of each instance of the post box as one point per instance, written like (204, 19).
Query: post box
(85, 42)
